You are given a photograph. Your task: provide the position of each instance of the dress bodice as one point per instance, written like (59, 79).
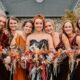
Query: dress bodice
(39, 44)
(73, 43)
(20, 42)
(60, 44)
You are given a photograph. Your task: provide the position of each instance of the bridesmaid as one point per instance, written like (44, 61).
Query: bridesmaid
(60, 41)
(21, 35)
(4, 44)
(19, 41)
(12, 25)
(74, 39)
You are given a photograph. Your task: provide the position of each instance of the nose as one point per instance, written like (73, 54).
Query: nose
(47, 27)
(13, 25)
(28, 28)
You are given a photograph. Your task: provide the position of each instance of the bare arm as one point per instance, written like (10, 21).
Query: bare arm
(67, 46)
(51, 46)
(66, 42)
(27, 44)
(78, 42)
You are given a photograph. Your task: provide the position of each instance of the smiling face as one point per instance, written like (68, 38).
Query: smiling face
(38, 24)
(68, 28)
(49, 27)
(27, 28)
(13, 24)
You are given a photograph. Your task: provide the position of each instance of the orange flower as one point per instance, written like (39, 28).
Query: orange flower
(12, 54)
(17, 57)
(0, 48)
(57, 54)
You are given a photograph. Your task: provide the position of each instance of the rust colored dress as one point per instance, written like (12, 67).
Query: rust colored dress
(76, 72)
(19, 73)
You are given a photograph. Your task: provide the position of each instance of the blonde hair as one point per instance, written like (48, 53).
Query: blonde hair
(50, 20)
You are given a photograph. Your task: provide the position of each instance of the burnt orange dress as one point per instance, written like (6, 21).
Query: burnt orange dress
(20, 42)
(19, 73)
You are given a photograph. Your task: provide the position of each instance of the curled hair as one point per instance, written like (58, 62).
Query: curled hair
(64, 25)
(11, 18)
(39, 17)
(26, 21)
(51, 21)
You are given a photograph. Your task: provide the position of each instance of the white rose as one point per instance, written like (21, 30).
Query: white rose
(7, 60)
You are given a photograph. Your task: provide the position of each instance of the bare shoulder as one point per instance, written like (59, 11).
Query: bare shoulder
(30, 36)
(78, 38)
(18, 31)
(56, 33)
(63, 35)
(48, 36)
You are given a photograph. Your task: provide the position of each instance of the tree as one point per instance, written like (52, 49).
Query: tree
(69, 14)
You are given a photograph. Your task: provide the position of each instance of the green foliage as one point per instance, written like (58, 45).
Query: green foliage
(69, 14)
